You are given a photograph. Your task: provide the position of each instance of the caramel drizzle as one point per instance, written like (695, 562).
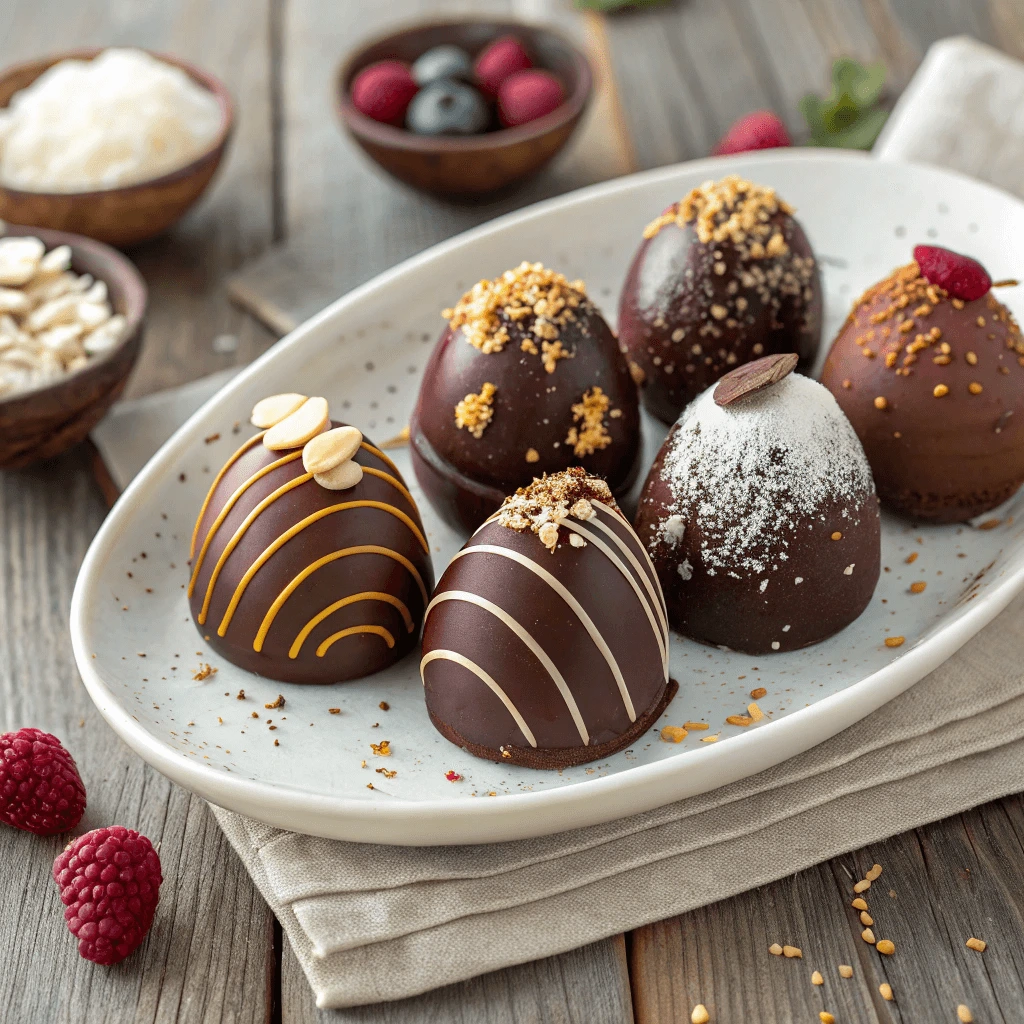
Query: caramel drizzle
(240, 533)
(535, 648)
(368, 595)
(564, 593)
(473, 667)
(230, 504)
(351, 631)
(216, 480)
(361, 549)
(292, 532)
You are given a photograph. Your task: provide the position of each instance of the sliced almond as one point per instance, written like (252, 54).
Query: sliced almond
(296, 429)
(341, 478)
(330, 449)
(270, 411)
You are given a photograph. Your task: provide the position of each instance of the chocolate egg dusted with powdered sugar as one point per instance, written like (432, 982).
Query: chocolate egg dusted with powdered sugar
(309, 562)
(546, 641)
(526, 379)
(760, 514)
(722, 277)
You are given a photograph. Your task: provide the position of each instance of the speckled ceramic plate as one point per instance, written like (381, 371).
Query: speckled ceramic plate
(140, 654)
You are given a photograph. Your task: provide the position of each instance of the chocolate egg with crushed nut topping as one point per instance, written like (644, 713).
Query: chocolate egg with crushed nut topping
(934, 386)
(724, 276)
(309, 562)
(526, 379)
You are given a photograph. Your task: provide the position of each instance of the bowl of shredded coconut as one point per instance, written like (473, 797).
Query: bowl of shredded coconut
(71, 318)
(115, 144)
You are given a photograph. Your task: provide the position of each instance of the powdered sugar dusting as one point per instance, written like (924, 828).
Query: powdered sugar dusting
(751, 471)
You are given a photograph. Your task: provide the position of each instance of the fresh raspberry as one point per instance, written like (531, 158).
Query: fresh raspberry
(961, 276)
(384, 90)
(40, 788)
(527, 95)
(504, 57)
(760, 130)
(110, 882)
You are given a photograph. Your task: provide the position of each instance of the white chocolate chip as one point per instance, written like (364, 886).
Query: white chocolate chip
(341, 478)
(330, 449)
(270, 411)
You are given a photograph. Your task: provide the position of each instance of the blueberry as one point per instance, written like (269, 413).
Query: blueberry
(447, 108)
(442, 62)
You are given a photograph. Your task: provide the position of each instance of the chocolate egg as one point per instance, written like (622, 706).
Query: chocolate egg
(526, 379)
(722, 277)
(309, 575)
(545, 643)
(934, 387)
(760, 515)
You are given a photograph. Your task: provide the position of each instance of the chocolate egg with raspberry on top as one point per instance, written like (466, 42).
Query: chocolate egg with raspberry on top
(929, 368)
(526, 379)
(724, 276)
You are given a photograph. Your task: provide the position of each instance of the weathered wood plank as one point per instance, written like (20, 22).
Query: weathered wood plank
(585, 986)
(941, 884)
(209, 954)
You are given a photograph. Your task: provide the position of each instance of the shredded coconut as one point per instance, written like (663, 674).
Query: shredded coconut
(119, 119)
(752, 471)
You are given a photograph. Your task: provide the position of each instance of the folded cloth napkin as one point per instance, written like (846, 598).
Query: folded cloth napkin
(374, 923)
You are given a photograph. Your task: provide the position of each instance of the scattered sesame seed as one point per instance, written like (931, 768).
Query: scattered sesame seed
(816, 978)
(894, 641)
(700, 1014)
(976, 944)
(775, 949)
(940, 390)
(886, 947)
(885, 991)
(792, 951)
(845, 971)
(868, 936)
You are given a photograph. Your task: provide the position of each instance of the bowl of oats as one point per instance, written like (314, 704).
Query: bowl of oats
(71, 320)
(116, 144)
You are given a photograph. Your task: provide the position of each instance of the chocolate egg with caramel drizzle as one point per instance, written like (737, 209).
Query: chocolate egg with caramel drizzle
(308, 560)
(546, 641)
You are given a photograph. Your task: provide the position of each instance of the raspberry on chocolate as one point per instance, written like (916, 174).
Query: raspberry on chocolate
(109, 881)
(527, 95)
(961, 276)
(504, 57)
(40, 788)
(384, 91)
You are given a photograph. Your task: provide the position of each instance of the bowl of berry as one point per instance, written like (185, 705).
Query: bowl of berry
(464, 108)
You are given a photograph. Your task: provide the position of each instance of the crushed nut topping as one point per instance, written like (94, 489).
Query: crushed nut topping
(551, 499)
(529, 291)
(590, 435)
(732, 209)
(475, 412)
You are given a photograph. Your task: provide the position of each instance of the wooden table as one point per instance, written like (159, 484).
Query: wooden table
(215, 953)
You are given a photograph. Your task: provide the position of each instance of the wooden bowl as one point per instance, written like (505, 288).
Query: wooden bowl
(128, 214)
(475, 165)
(48, 420)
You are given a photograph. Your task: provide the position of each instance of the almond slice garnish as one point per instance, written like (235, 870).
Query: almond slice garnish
(295, 430)
(269, 411)
(341, 478)
(330, 449)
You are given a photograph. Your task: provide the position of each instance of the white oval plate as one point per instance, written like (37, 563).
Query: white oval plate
(365, 353)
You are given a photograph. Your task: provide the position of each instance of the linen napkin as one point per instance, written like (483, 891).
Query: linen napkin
(374, 923)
